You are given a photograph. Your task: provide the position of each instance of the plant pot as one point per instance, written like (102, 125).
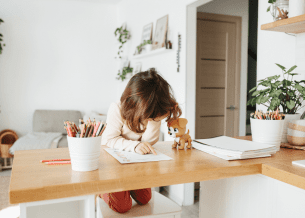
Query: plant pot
(267, 131)
(147, 48)
(288, 118)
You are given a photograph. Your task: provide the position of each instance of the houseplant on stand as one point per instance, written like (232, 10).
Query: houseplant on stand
(287, 95)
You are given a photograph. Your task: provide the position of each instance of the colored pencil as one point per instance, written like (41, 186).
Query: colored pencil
(58, 163)
(42, 161)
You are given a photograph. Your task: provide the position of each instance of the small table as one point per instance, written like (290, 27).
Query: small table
(53, 188)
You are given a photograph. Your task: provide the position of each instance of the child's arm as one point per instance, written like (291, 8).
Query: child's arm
(112, 136)
(152, 132)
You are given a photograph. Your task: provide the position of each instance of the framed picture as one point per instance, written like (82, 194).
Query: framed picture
(160, 33)
(137, 68)
(147, 32)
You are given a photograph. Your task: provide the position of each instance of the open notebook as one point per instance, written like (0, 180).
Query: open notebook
(130, 157)
(233, 149)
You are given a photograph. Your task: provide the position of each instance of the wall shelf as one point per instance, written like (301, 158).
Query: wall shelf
(152, 53)
(290, 25)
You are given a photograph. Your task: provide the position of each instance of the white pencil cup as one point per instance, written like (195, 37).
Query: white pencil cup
(267, 131)
(84, 153)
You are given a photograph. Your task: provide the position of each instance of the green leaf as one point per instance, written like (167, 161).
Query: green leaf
(264, 99)
(259, 99)
(286, 83)
(291, 93)
(280, 66)
(268, 9)
(254, 88)
(290, 104)
(291, 69)
(298, 87)
(256, 93)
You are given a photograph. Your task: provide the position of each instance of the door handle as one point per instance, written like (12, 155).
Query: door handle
(232, 107)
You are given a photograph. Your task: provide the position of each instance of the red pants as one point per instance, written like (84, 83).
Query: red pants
(121, 201)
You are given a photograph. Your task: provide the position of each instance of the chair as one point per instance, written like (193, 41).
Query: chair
(159, 206)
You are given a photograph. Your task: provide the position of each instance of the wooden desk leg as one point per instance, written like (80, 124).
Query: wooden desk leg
(5, 162)
(73, 207)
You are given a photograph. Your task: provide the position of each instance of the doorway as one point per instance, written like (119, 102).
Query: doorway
(218, 53)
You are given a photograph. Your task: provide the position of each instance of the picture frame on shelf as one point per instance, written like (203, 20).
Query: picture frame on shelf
(137, 68)
(159, 39)
(147, 32)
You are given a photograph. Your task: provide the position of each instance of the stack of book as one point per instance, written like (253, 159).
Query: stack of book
(233, 149)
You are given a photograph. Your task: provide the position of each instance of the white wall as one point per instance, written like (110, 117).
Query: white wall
(276, 47)
(236, 8)
(58, 55)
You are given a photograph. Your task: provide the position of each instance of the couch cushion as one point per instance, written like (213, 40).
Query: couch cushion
(53, 120)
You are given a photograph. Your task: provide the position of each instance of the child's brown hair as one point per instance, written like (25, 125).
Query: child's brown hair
(147, 95)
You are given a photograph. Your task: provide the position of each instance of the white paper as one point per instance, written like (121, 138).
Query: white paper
(228, 156)
(235, 145)
(130, 157)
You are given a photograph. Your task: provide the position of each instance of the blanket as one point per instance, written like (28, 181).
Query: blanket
(35, 140)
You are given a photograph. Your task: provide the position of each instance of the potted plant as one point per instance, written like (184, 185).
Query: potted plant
(124, 73)
(1, 48)
(123, 35)
(287, 94)
(145, 46)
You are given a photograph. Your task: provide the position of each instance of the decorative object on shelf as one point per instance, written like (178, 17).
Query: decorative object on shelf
(177, 130)
(160, 33)
(281, 9)
(267, 127)
(169, 45)
(288, 93)
(147, 32)
(271, 8)
(125, 70)
(178, 52)
(124, 73)
(137, 68)
(296, 8)
(124, 35)
(1, 39)
(145, 46)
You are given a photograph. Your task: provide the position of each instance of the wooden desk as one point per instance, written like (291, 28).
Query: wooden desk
(33, 181)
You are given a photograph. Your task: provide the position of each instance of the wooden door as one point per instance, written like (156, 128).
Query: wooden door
(217, 100)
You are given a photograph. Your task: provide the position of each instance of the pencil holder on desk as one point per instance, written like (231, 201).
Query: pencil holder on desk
(84, 153)
(267, 131)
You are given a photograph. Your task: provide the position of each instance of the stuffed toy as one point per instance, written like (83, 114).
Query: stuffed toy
(176, 130)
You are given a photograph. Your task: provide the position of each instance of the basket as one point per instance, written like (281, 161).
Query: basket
(7, 139)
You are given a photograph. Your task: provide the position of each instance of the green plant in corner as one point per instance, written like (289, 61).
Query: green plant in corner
(123, 37)
(288, 93)
(1, 48)
(122, 75)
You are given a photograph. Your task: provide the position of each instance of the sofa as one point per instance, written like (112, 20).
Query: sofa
(53, 121)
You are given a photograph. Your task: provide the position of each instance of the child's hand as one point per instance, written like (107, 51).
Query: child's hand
(144, 148)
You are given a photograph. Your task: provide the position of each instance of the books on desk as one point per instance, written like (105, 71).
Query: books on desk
(234, 149)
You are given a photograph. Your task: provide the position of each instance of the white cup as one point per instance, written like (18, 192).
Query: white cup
(84, 152)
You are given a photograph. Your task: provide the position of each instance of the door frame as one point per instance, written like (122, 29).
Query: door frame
(191, 47)
(237, 21)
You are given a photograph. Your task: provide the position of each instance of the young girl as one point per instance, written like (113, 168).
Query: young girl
(133, 124)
